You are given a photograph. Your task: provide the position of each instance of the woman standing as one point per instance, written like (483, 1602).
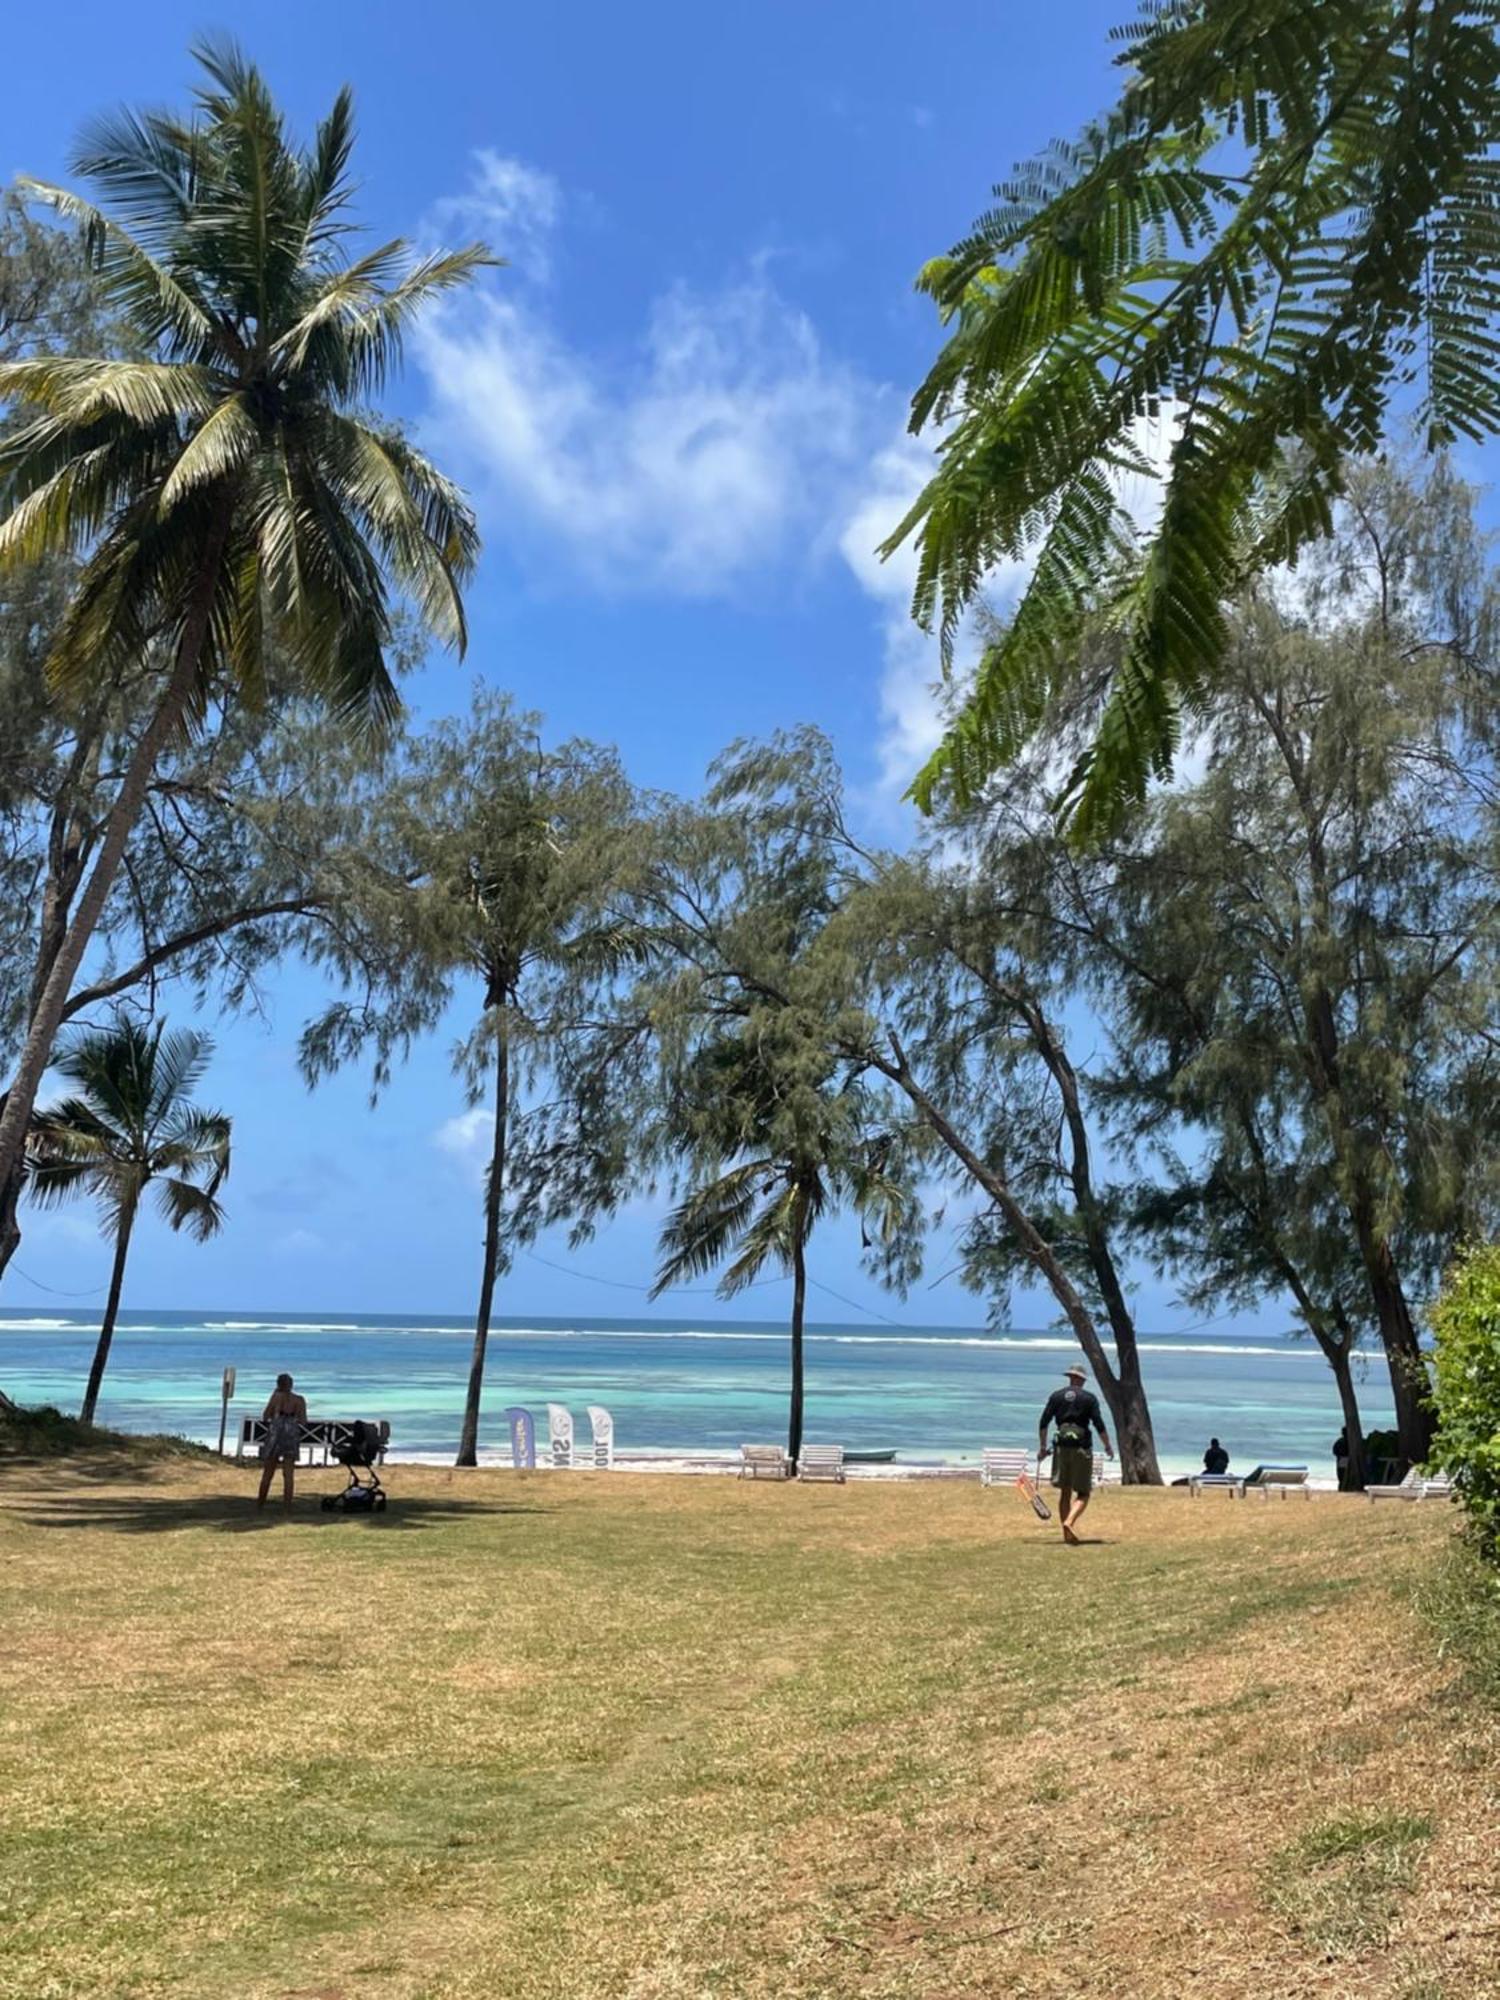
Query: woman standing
(284, 1414)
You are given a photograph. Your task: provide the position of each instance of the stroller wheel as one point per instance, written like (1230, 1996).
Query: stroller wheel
(329, 1503)
(378, 1503)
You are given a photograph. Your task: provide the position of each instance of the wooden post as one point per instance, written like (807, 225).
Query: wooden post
(224, 1407)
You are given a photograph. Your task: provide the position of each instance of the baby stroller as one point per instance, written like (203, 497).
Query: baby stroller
(360, 1454)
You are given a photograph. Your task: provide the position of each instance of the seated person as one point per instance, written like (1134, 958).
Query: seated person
(1216, 1458)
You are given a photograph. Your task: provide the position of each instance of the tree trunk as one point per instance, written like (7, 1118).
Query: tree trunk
(1410, 1387)
(1137, 1446)
(799, 1300)
(1354, 1432)
(10, 1223)
(111, 1308)
(1124, 1393)
(494, 1195)
(47, 1015)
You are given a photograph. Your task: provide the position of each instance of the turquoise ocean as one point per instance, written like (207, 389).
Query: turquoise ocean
(935, 1393)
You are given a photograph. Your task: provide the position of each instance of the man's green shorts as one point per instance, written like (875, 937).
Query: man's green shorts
(1073, 1465)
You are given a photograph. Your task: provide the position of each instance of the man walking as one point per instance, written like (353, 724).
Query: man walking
(1076, 1413)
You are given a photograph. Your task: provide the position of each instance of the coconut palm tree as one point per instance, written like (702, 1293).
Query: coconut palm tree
(228, 487)
(131, 1123)
(762, 1208)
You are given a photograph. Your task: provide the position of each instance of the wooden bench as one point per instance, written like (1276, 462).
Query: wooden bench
(321, 1438)
(821, 1461)
(764, 1461)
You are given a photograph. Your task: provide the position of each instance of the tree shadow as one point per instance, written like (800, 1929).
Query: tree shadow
(233, 1514)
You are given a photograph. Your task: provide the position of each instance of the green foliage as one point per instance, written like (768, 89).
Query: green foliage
(1289, 222)
(42, 1432)
(1466, 1326)
(1459, 1596)
(131, 1123)
(227, 469)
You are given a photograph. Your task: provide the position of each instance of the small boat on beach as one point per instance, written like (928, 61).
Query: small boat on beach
(869, 1457)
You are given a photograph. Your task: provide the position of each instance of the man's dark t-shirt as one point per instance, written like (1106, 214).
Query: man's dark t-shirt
(1074, 1406)
(1216, 1459)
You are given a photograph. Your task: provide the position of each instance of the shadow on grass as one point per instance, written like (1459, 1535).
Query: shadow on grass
(232, 1514)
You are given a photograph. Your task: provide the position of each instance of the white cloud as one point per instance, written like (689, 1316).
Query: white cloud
(910, 712)
(467, 1139)
(299, 1243)
(513, 206)
(725, 442)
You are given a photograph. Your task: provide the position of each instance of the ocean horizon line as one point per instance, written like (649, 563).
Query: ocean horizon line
(222, 1319)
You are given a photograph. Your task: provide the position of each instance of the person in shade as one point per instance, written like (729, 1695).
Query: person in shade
(1076, 1414)
(285, 1414)
(1216, 1458)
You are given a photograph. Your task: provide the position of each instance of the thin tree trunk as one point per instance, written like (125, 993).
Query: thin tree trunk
(494, 1195)
(1354, 1434)
(111, 1308)
(799, 1300)
(47, 1015)
(1124, 1393)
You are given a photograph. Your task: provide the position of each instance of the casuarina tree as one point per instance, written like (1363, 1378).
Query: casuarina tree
(227, 487)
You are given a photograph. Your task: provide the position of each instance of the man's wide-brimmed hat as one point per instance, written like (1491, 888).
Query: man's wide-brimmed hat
(1078, 1374)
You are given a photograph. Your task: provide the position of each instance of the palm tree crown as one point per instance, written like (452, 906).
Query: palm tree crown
(232, 461)
(132, 1122)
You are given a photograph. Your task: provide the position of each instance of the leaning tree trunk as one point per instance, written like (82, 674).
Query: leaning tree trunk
(494, 1195)
(1124, 1393)
(799, 1301)
(1130, 1409)
(46, 1018)
(111, 1309)
(10, 1222)
(1410, 1388)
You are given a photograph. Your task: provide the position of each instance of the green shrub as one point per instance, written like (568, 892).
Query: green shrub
(1466, 1322)
(45, 1432)
(1459, 1595)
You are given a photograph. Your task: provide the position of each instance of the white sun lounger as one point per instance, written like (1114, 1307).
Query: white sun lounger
(1279, 1479)
(602, 1427)
(821, 1461)
(1267, 1479)
(764, 1461)
(1201, 1481)
(1001, 1466)
(1413, 1487)
(560, 1434)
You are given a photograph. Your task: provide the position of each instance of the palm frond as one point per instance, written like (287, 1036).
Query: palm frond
(158, 302)
(187, 1206)
(771, 1237)
(701, 1229)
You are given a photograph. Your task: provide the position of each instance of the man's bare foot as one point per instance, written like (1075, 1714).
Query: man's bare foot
(1069, 1536)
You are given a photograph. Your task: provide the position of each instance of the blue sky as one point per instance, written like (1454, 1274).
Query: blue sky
(681, 413)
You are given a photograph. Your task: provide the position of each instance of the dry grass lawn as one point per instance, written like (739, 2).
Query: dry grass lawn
(672, 1739)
